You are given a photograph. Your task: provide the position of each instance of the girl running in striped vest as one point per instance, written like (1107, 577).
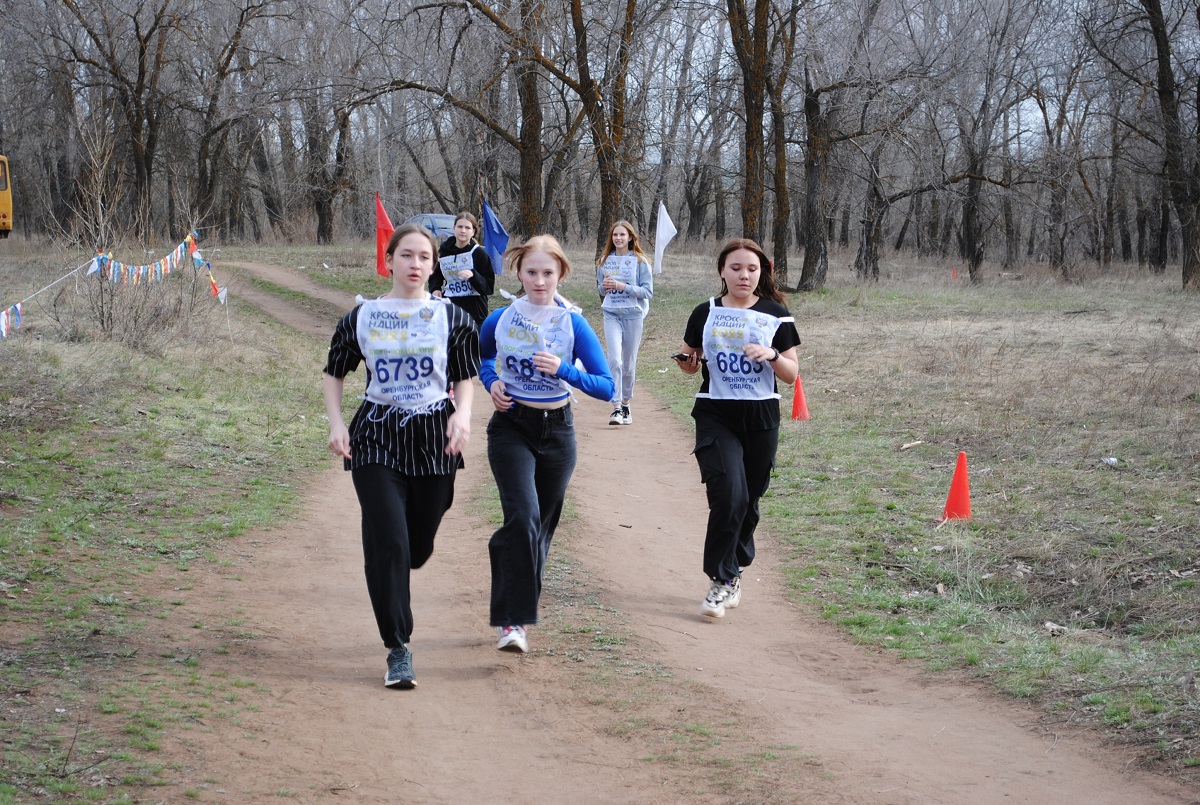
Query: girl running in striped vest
(403, 446)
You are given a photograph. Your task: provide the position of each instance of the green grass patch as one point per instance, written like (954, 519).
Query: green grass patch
(125, 460)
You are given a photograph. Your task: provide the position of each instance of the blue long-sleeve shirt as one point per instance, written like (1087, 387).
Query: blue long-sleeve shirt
(594, 380)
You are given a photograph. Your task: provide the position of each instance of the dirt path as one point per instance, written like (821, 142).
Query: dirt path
(840, 724)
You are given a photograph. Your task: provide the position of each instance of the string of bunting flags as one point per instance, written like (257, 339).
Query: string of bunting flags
(120, 273)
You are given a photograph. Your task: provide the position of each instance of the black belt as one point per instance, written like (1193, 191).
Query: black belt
(522, 411)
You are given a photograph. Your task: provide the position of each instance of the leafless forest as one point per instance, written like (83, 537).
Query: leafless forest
(1057, 131)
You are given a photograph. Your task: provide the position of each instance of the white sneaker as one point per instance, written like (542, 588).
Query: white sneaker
(512, 638)
(616, 417)
(735, 593)
(717, 599)
(626, 416)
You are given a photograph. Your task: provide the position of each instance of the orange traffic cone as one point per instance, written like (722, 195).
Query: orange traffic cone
(799, 405)
(958, 503)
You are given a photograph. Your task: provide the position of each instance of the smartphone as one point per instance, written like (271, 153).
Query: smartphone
(681, 356)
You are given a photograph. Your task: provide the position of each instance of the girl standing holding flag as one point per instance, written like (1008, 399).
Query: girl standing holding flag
(529, 353)
(626, 286)
(465, 275)
(742, 341)
(404, 444)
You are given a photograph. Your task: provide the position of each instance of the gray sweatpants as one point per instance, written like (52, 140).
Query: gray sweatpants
(622, 338)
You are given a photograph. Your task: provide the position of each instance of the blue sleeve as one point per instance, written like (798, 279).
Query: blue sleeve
(487, 349)
(595, 380)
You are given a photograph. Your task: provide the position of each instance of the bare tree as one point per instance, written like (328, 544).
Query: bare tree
(130, 51)
(1137, 40)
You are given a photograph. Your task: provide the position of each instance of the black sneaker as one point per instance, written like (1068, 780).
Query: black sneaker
(400, 669)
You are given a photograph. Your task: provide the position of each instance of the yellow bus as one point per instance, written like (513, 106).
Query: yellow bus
(6, 211)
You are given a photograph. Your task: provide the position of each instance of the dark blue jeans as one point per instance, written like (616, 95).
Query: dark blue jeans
(532, 454)
(735, 467)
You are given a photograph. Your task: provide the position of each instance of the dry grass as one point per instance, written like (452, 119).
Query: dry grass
(1078, 406)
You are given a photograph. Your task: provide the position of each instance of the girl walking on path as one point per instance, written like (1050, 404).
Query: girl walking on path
(405, 442)
(742, 341)
(529, 353)
(626, 286)
(464, 274)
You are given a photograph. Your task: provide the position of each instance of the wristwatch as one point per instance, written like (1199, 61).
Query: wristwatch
(774, 358)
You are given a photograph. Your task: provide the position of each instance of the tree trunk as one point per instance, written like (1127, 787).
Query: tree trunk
(529, 177)
(719, 224)
(1161, 226)
(935, 218)
(266, 181)
(1180, 171)
(971, 243)
(816, 155)
(866, 263)
(1123, 228)
(903, 233)
(750, 45)
(698, 196)
(1057, 222)
(1142, 221)
(783, 199)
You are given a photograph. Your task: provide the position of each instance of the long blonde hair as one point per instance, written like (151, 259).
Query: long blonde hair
(635, 244)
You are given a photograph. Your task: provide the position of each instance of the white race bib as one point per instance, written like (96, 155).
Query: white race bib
(523, 329)
(404, 344)
(624, 270)
(450, 266)
(732, 375)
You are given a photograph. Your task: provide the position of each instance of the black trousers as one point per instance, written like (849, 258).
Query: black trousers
(532, 453)
(735, 467)
(400, 516)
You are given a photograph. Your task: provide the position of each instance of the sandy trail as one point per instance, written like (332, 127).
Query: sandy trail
(486, 726)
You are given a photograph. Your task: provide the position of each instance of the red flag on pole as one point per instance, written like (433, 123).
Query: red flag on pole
(383, 233)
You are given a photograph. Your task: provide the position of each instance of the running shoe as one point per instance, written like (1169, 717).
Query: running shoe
(616, 417)
(735, 592)
(626, 416)
(512, 638)
(717, 599)
(400, 669)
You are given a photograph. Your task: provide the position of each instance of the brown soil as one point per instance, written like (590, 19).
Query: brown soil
(801, 714)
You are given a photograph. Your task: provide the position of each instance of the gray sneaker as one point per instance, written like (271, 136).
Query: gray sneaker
(400, 669)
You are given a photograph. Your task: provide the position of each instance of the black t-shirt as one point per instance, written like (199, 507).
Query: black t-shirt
(741, 415)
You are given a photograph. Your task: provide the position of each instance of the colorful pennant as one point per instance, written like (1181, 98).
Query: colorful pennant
(121, 274)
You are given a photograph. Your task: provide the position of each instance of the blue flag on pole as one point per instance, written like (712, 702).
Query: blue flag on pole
(495, 238)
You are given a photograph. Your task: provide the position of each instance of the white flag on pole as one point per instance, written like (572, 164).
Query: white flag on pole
(665, 232)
